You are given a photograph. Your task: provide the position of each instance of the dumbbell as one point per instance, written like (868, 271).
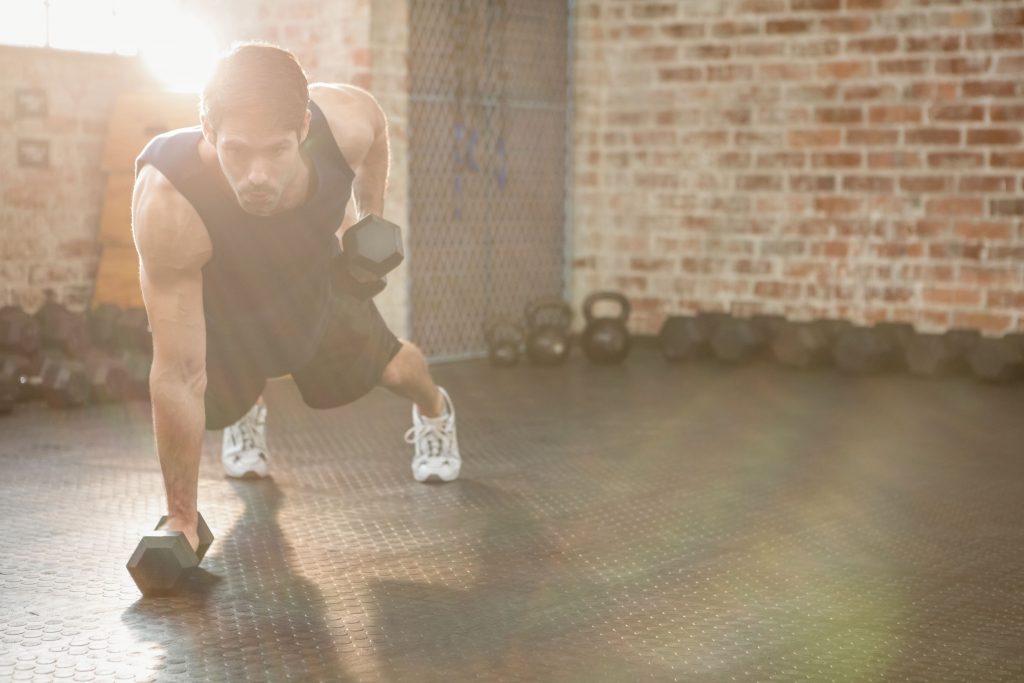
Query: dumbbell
(163, 558)
(19, 331)
(685, 337)
(110, 379)
(61, 382)
(547, 331)
(935, 355)
(997, 359)
(739, 339)
(868, 350)
(504, 342)
(371, 249)
(606, 338)
(61, 329)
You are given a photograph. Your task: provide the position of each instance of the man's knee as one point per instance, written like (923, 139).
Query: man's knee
(406, 363)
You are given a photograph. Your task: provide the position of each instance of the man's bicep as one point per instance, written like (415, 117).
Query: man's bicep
(173, 247)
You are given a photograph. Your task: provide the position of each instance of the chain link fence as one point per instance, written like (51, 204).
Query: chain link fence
(487, 153)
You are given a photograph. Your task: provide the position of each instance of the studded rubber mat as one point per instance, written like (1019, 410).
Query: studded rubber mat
(639, 522)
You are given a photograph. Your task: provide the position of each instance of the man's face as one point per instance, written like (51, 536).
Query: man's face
(259, 161)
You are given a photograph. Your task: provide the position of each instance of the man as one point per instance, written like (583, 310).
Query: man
(237, 223)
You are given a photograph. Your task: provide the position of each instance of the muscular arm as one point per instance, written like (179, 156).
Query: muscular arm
(360, 128)
(173, 246)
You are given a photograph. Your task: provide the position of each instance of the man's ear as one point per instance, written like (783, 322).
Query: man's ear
(208, 132)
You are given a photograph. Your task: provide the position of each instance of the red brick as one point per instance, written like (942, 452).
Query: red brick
(838, 115)
(993, 136)
(895, 114)
(999, 40)
(873, 45)
(734, 29)
(683, 73)
(984, 230)
(837, 204)
(759, 182)
(868, 184)
(1006, 207)
(683, 31)
(761, 6)
(902, 66)
(986, 322)
(1006, 159)
(815, 5)
(814, 137)
(894, 159)
(871, 136)
(781, 160)
(989, 88)
(926, 183)
(869, 92)
(933, 43)
(652, 10)
(1006, 112)
(960, 66)
(844, 69)
(986, 184)
(709, 51)
(855, 24)
(836, 159)
(812, 183)
(1005, 18)
(787, 26)
(955, 160)
(944, 296)
(954, 250)
(860, 5)
(733, 160)
(1004, 298)
(778, 289)
(730, 72)
(955, 206)
(957, 112)
(932, 136)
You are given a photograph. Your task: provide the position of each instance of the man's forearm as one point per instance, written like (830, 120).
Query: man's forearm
(179, 421)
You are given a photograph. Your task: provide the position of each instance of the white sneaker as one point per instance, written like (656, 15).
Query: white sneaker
(437, 447)
(244, 450)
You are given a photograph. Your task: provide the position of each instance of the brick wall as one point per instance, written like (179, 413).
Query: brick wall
(49, 216)
(853, 158)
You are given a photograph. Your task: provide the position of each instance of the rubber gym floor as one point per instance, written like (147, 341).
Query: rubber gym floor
(641, 522)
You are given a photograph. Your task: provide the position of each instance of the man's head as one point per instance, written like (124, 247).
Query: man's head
(255, 112)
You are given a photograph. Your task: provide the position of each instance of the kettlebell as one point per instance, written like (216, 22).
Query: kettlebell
(547, 337)
(504, 341)
(606, 339)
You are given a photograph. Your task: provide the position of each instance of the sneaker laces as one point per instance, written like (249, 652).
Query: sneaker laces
(434, 436)
(250, 429)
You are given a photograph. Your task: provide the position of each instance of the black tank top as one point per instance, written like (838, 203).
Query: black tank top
(266, 288)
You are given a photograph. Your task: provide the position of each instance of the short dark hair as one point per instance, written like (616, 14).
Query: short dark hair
(257, 79)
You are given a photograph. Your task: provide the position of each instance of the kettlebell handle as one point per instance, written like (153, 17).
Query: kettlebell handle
(500, 324)
(619, 299)
(534, 309)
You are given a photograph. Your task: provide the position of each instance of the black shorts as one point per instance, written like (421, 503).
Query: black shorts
(348, 363)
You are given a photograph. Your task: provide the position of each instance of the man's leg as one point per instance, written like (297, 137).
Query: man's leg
(407, 375)
(433, 431)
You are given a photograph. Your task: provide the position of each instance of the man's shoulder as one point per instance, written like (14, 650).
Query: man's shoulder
(353, 115)
(166, 227)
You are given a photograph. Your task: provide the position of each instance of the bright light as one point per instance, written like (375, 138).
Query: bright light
(177, 45)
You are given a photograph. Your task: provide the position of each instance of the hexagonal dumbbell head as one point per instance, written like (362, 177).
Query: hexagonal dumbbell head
(160, 560)
(373, 245)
